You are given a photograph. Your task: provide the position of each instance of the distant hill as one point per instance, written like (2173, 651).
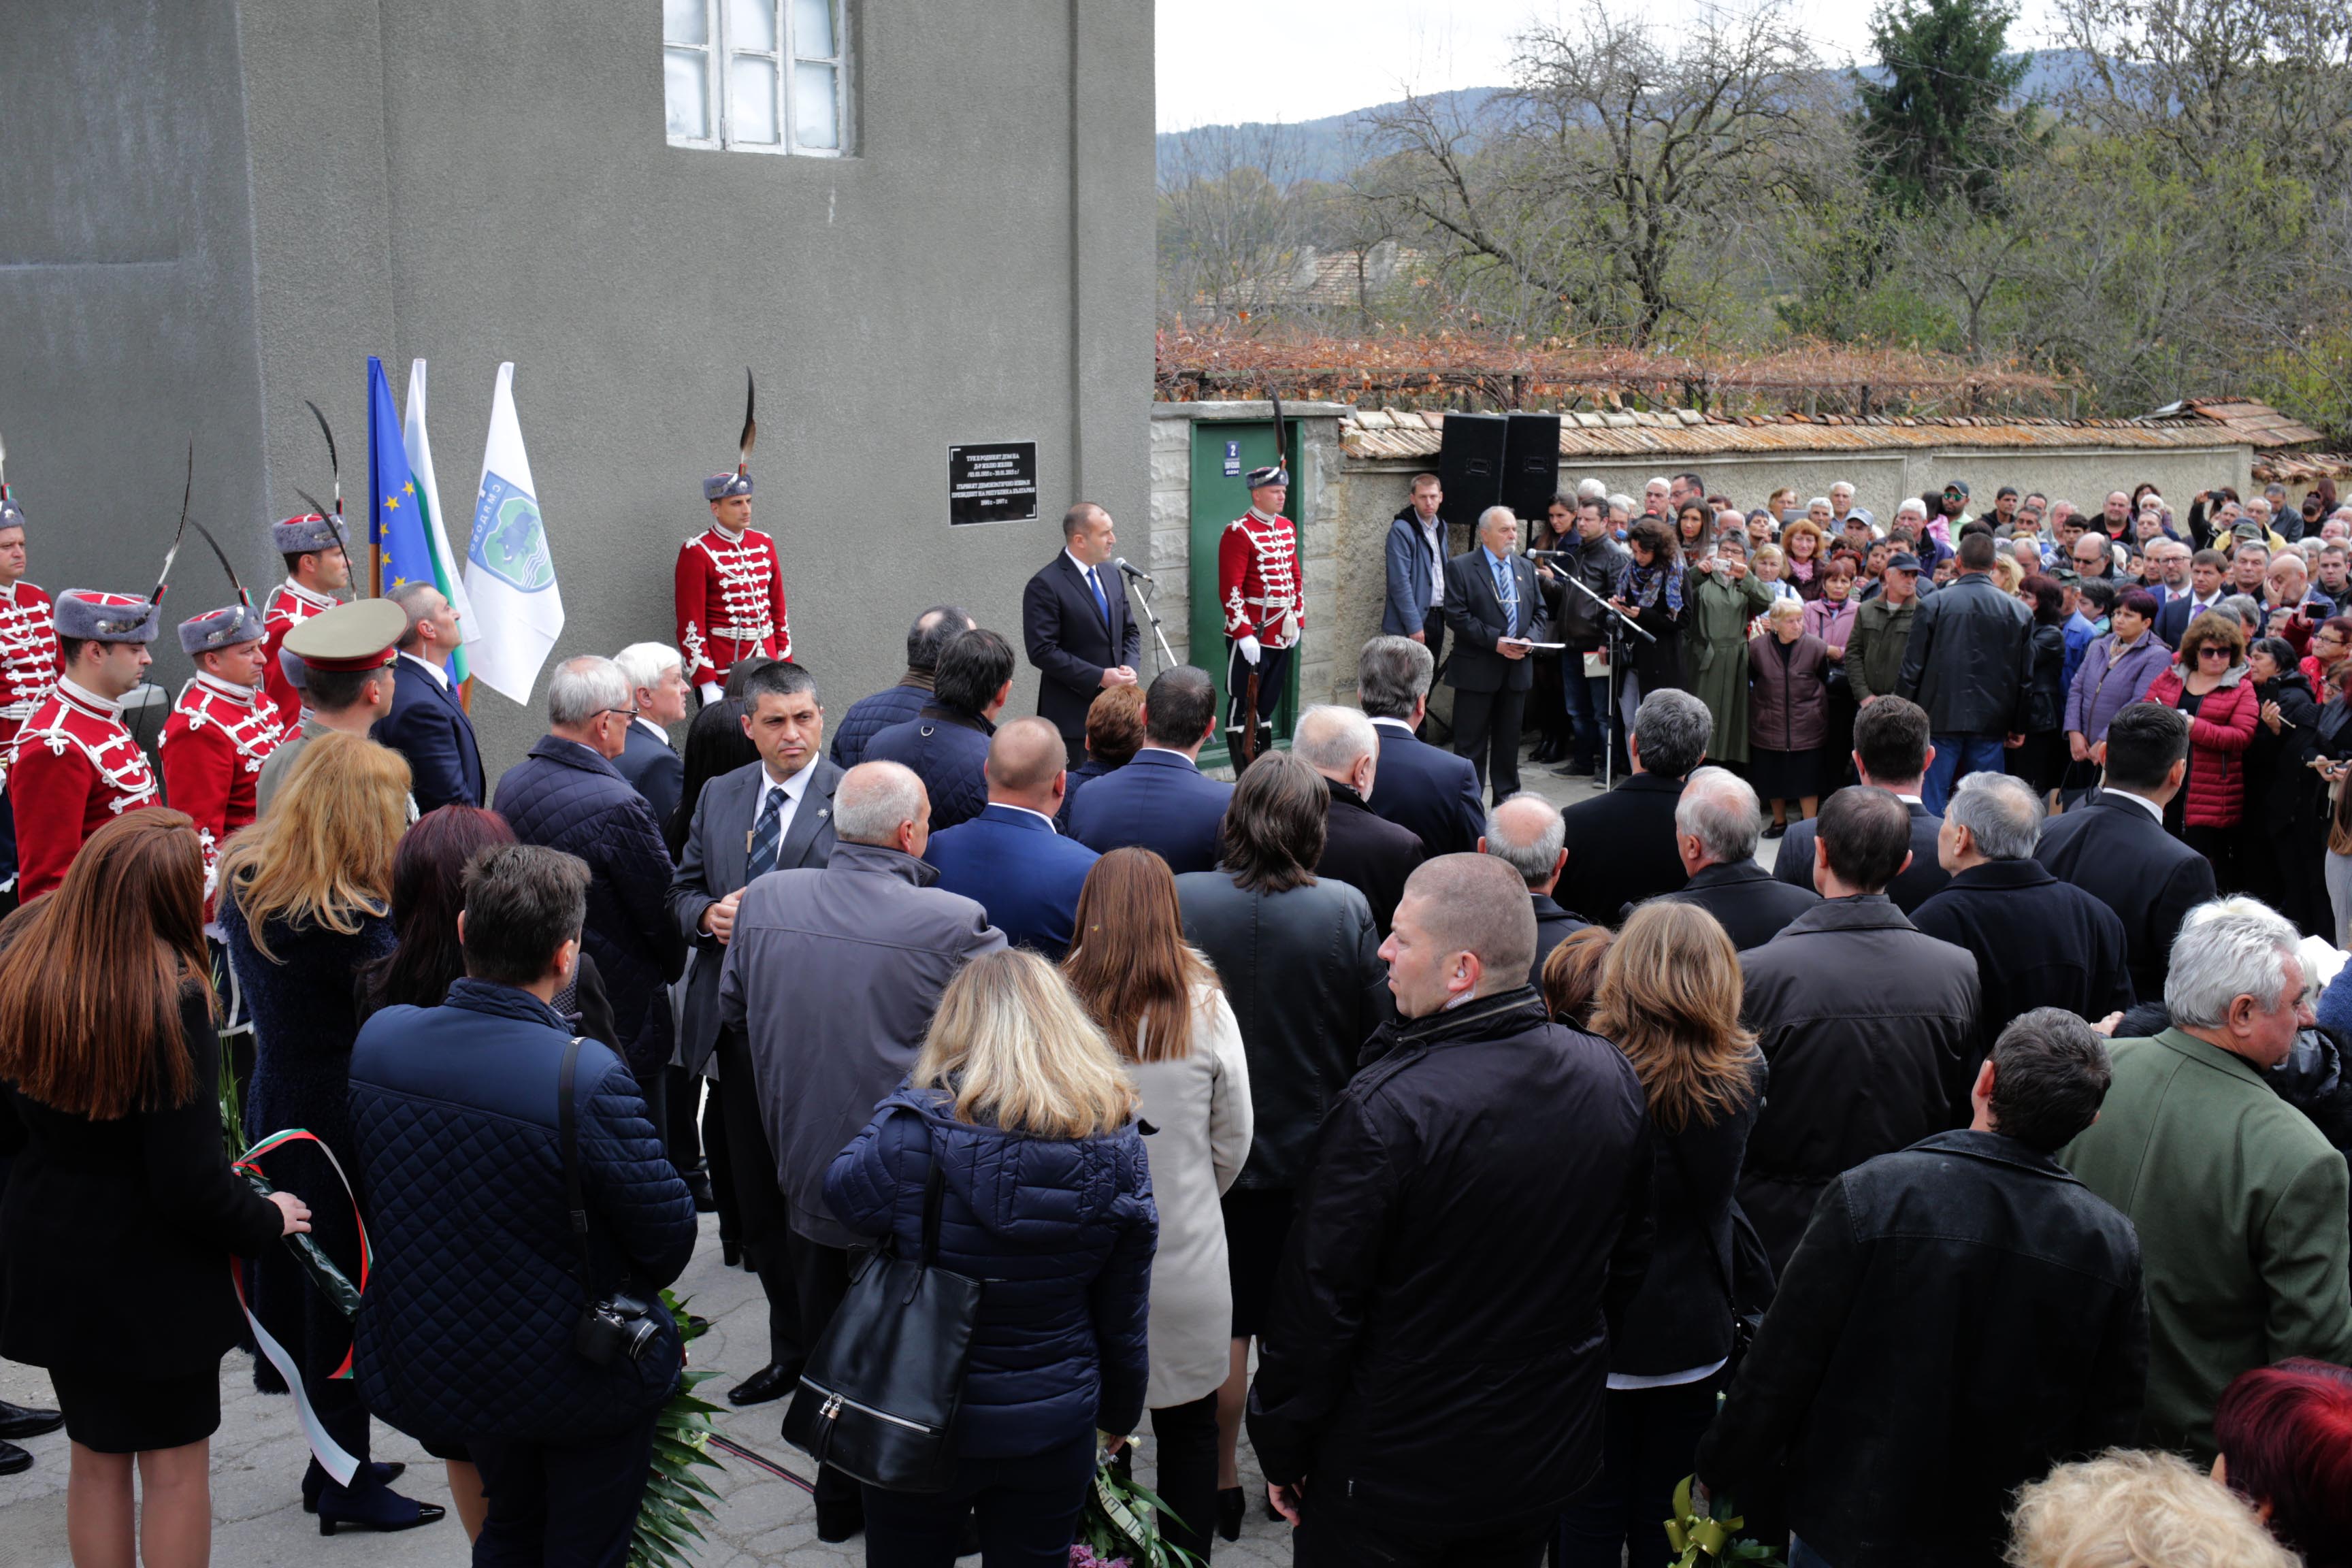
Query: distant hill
(1328, 148)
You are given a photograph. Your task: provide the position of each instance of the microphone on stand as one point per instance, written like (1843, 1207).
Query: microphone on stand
(1141, 576)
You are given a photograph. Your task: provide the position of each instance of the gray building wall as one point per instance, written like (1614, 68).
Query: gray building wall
(264, 192)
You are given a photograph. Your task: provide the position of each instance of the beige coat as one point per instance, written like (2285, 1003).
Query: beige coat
(1198, 1107)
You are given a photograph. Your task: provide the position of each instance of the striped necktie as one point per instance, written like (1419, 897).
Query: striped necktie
(766, 834)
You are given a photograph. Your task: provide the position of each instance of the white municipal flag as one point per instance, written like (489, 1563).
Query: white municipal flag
(509, 576)
(449, 568)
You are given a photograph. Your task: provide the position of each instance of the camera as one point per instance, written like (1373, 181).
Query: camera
(615, 1328)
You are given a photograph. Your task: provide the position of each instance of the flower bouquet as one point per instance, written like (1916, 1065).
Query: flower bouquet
(677, 1501)
(1120, 1525)
(1712, 1536)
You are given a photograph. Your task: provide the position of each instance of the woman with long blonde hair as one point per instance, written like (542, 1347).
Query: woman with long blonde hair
(1026, 1117)
(1159, 1003)
(1670, 994)
(305, 906)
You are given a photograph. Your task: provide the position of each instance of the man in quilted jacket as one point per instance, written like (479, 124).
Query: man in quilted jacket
(465, 1336)
(567, 795)
(946, 743)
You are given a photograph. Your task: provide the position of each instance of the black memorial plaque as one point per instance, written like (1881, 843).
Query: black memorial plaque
(993, 483)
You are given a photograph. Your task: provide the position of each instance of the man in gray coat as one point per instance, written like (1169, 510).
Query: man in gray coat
(832, 976)
(794, 783)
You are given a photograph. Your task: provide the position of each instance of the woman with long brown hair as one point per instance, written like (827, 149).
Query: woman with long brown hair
(305, 906)
(1670, 992)
(120, 1205)
(1159, 1003)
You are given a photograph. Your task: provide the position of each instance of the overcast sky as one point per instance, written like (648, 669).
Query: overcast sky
(1235, 60)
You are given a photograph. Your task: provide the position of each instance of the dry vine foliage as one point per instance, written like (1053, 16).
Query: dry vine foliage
(1442, 369)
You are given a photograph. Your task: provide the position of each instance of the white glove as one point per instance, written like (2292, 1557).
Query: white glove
(712, 692)
(1249, 651)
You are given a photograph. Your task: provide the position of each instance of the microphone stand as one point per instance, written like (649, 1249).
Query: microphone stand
(1616, 627)
(1140, 584)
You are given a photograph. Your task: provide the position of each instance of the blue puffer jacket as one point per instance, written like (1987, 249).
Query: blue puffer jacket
(1061, 1232)
(565, 796)
(870, 716)
(948, 749)
(466, 1328)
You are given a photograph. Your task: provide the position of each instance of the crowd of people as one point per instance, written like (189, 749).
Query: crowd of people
(1968, 1186)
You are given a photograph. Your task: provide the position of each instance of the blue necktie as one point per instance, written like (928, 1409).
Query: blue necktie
(1507, 592)
(1102, 601)
(766, 834)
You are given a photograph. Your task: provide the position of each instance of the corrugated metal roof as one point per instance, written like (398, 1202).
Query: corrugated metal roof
(1406, 436)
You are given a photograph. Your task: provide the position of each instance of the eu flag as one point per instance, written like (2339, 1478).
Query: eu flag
(395, 518)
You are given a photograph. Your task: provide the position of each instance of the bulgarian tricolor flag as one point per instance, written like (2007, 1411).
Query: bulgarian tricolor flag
(447, 572)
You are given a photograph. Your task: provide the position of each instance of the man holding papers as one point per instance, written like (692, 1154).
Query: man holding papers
(1497, 614)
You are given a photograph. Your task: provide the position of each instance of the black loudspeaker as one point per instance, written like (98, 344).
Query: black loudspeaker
(1531, 464)
(1470, 464)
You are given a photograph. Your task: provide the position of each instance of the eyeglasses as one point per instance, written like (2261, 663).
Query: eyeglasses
(623, 712)
(2213, 650)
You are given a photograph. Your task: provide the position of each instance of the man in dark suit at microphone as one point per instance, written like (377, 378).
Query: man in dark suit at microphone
(1076, 622)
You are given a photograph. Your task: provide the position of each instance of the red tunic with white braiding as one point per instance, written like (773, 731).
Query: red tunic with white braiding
(731, 603)
(1258, 580)
(213, 744)
(29, 658)
(289, 606)
(76, 770)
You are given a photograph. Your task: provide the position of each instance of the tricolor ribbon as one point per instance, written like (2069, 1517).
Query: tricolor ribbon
(329, 1279)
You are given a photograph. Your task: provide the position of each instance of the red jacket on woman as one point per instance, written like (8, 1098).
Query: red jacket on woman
(2218, 734)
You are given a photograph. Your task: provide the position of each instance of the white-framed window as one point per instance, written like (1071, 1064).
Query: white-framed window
(755, 76)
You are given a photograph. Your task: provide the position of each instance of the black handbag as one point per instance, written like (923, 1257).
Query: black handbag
(878, 1396)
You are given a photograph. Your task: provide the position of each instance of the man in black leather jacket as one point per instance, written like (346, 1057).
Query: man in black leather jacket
(1970, 665)
(1430, 1380)
(1961, 1315)
(1598, 561)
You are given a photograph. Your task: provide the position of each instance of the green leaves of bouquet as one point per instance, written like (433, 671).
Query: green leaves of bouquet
(677, 1501)
(1120, 1524)
(1713, 1536)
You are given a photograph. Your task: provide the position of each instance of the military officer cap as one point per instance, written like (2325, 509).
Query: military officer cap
(1273, 475)
(719, 487)
(301, 535)
(85, 614)
(11, 514)
(362, 635)
(216, 629)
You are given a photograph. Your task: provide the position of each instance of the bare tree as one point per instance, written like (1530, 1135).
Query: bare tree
(1609, 180)
(1231, 221)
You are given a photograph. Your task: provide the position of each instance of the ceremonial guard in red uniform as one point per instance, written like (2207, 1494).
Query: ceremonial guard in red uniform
(316, 566)
(1258, 586)
(75, 767)
(730, 587)
(28, 661)
(222, 729)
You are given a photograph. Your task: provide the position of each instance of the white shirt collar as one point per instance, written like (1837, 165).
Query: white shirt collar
(2140, 801)
(1397, 723)
(794, 787)
(1083, 570)
(658, 733)
(1171, 750)
(230, 689)
(721, 530)
(87, 698)
(431, 669)
(1911, 800)
(1008, 806)
(1261, 516)
(323, 601)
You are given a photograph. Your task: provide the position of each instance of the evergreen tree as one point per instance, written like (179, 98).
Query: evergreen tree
(1937, 124)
